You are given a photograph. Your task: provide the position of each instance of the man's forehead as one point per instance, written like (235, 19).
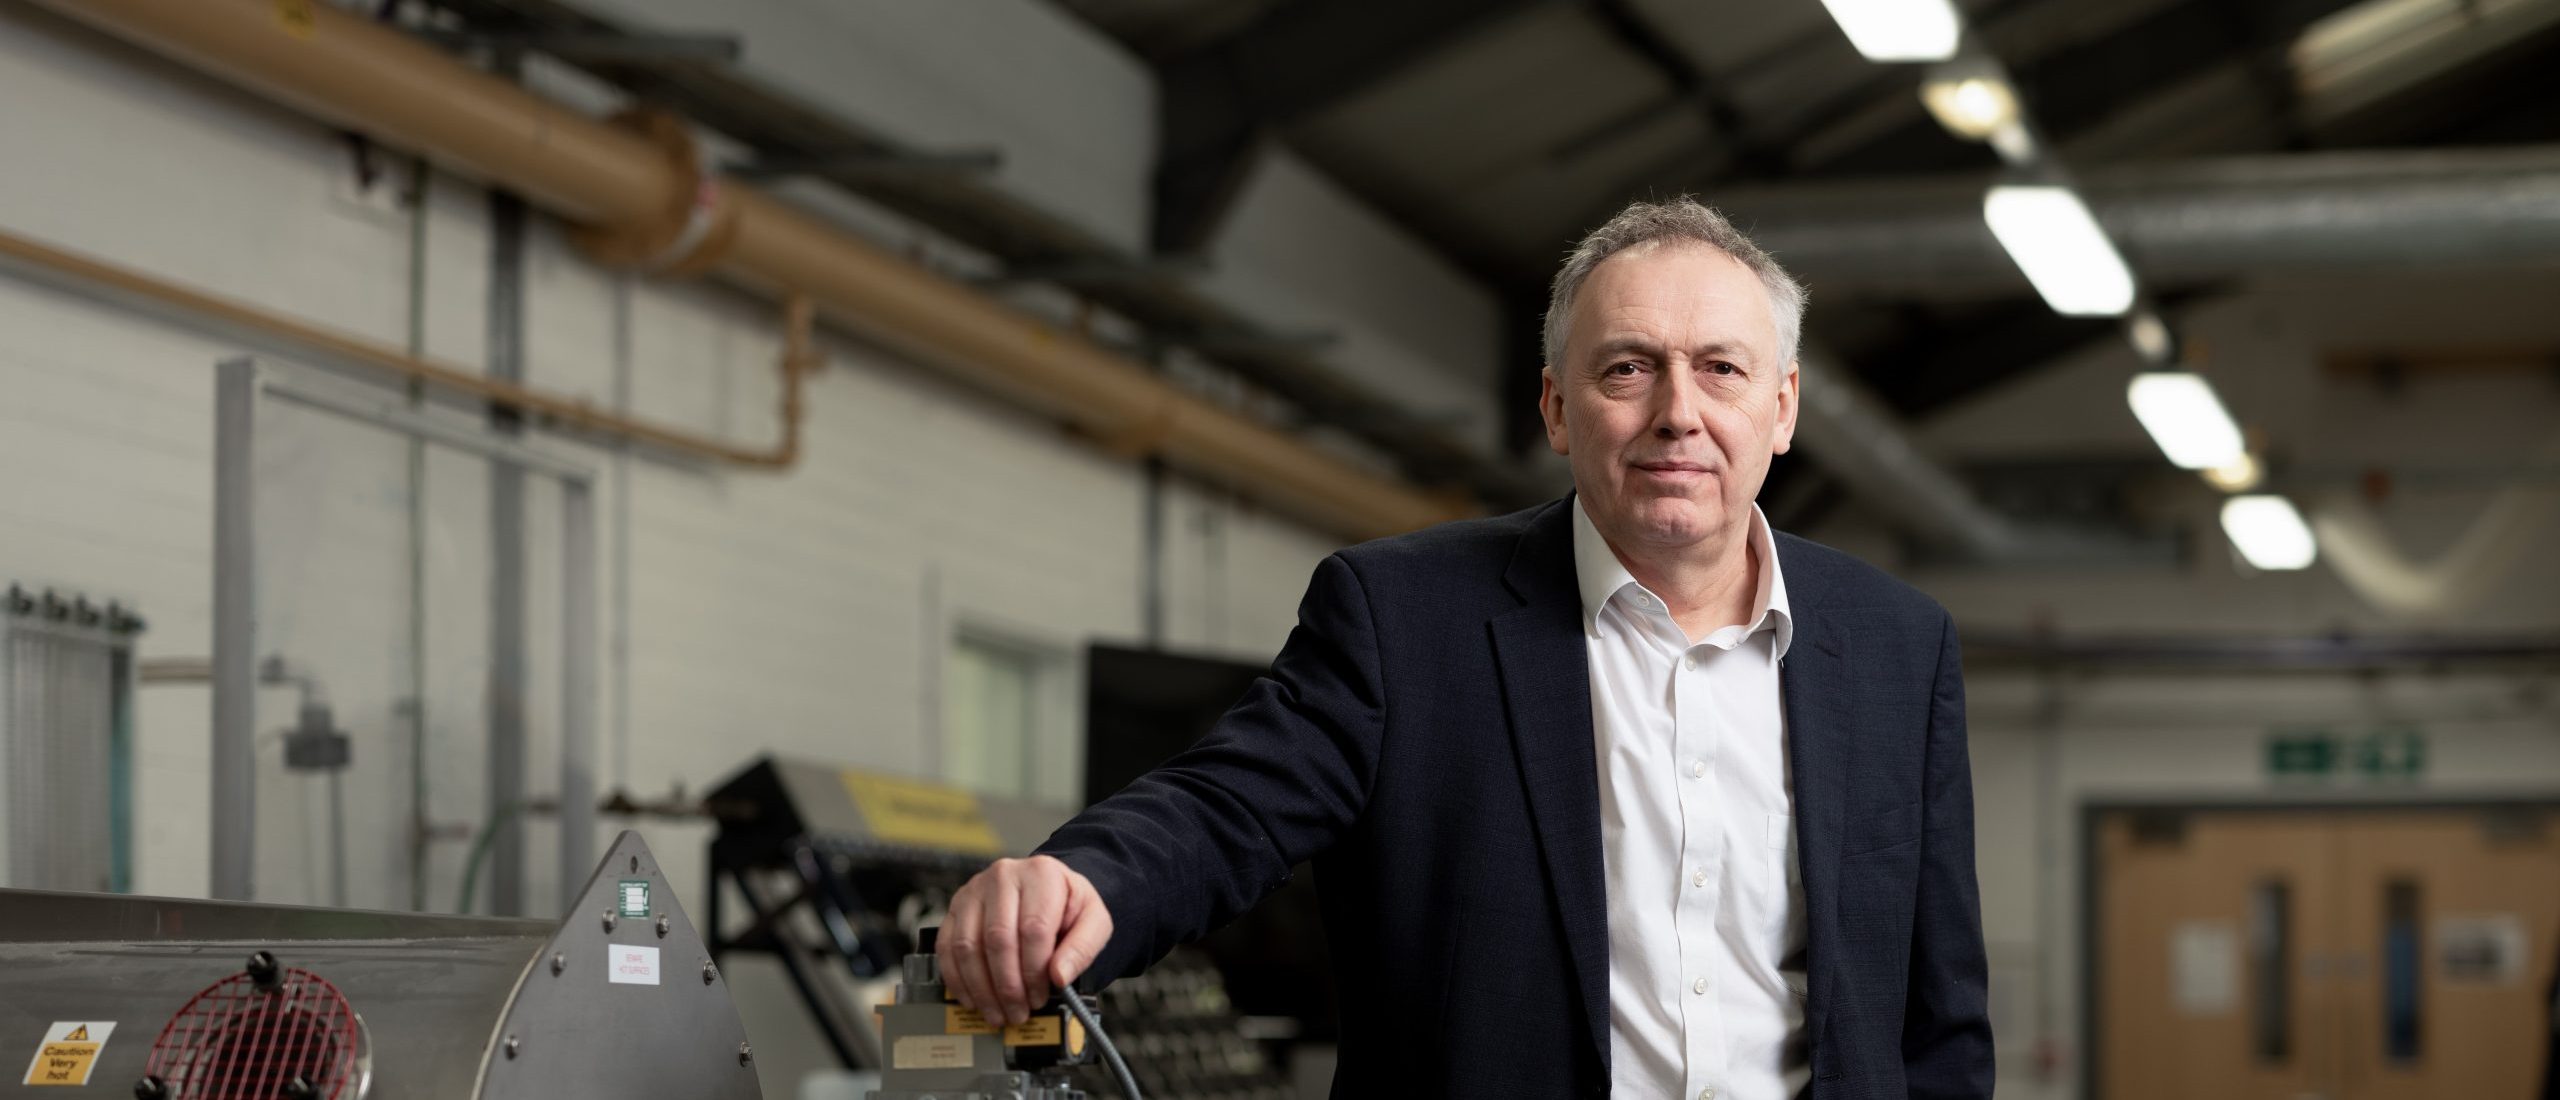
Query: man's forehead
(1626, 293)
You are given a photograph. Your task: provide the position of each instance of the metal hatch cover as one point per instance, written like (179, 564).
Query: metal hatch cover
(620, 1006)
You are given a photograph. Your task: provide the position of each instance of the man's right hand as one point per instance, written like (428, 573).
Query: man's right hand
(1018, 928)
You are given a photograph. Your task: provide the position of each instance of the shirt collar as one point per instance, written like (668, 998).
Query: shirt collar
(1600, 576)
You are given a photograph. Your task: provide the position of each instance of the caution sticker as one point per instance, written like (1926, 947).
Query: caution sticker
(69, 1051)
(965, 1021)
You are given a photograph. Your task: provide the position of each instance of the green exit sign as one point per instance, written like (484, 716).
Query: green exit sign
(2383, 754)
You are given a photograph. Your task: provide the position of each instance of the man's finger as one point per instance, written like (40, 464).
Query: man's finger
(1088, 931)
(1002, 946)
(1044, 912)
(958, 946)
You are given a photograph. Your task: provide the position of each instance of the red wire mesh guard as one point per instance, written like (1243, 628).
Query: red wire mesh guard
(235, 1041)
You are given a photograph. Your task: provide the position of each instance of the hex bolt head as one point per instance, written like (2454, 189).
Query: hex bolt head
(745, 1052)
(150, 1088)
(299, 1089)
(513, 1044)
(558, 964)
(709, 971)
(665, 923)
(610, 919)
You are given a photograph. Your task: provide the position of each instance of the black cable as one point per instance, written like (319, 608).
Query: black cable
(1110, 1054)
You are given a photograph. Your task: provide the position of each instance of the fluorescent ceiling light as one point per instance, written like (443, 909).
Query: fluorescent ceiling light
(2052, 236)
(2269, 532)
(2186, 419)
(1899, 30)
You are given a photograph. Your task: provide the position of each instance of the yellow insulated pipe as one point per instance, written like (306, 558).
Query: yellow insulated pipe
(350, 72)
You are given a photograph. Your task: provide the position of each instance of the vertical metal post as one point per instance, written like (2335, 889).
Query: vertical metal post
(577, 686)
(235, 631)
(506, 567)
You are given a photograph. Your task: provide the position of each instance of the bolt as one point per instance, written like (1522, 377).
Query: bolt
(150, 1088)
(512, 1045)
(709, 972)
(635, 865)
(264, 972)
(745, 1052)
(609, 919)
(558, 964)
(664, 923)
(299, 1089)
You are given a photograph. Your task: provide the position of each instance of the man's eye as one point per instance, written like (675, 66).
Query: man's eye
(1723, 368)
(1624, 369)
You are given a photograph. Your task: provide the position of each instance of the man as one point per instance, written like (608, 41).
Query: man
(1622, 792)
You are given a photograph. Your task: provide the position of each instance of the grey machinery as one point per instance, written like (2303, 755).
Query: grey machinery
(109, 995)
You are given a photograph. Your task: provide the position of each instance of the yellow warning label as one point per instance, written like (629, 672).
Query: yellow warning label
(903, 811)
(69, 1051)
(1039, 1031)
(965, 1021)
(1075, 1038)
(297, 18)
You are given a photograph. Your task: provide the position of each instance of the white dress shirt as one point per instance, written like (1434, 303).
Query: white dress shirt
(1706, 906)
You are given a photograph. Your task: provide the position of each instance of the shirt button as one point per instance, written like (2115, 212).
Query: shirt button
(1697, 769)
(1699, 986)
(1691, 664)
(1698, 879)
(1707, 1093)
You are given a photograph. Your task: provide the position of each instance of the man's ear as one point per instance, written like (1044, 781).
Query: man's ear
(1551, 410)
(1788, 393)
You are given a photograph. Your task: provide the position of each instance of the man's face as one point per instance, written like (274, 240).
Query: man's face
(1670, 400)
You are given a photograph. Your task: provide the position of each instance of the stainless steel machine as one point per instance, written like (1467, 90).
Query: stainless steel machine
(164, 999)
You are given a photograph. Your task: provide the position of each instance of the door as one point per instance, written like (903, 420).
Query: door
(2448, 922)
(2330, 954)
(2205, 922)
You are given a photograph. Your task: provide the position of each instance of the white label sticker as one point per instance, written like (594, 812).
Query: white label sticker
(933, 1052)
(69, 1051)
(2204, 967)
(631, 964)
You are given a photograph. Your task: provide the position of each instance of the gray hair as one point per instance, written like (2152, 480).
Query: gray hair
(1683, 219)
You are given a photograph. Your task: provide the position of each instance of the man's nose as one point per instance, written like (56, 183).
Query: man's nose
(1676, 410)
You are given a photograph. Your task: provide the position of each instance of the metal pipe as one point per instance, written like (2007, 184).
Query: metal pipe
(2184, 221)
(577, 687)
(504, 704)
(347, 71)
(235, 632)
(293, 338)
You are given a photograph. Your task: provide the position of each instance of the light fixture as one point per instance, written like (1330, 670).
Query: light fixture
(1899, 30)
(2186, 419)
(2054, 239)
(2269, 532)
(1972, 104)
(2238, 476)
(2151, 337)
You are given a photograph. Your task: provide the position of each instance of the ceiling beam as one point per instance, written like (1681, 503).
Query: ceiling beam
(1221, 101)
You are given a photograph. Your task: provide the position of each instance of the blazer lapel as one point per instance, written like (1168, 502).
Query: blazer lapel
(1815, 687)
(1546, 687)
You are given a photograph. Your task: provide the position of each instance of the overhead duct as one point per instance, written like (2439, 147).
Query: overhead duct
(350, 72)
(2516, 522)
(1849, 432)
(2180, 221)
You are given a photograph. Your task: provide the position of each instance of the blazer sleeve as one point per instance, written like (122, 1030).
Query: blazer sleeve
(1196, 842)
(1946, 1028)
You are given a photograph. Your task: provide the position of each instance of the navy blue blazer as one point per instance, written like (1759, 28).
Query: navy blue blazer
(1425, 737)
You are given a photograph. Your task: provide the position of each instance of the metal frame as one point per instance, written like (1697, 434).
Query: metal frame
(241, 383)
(2092, 809)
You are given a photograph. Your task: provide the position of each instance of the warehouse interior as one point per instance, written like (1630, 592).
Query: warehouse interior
(442, 435)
